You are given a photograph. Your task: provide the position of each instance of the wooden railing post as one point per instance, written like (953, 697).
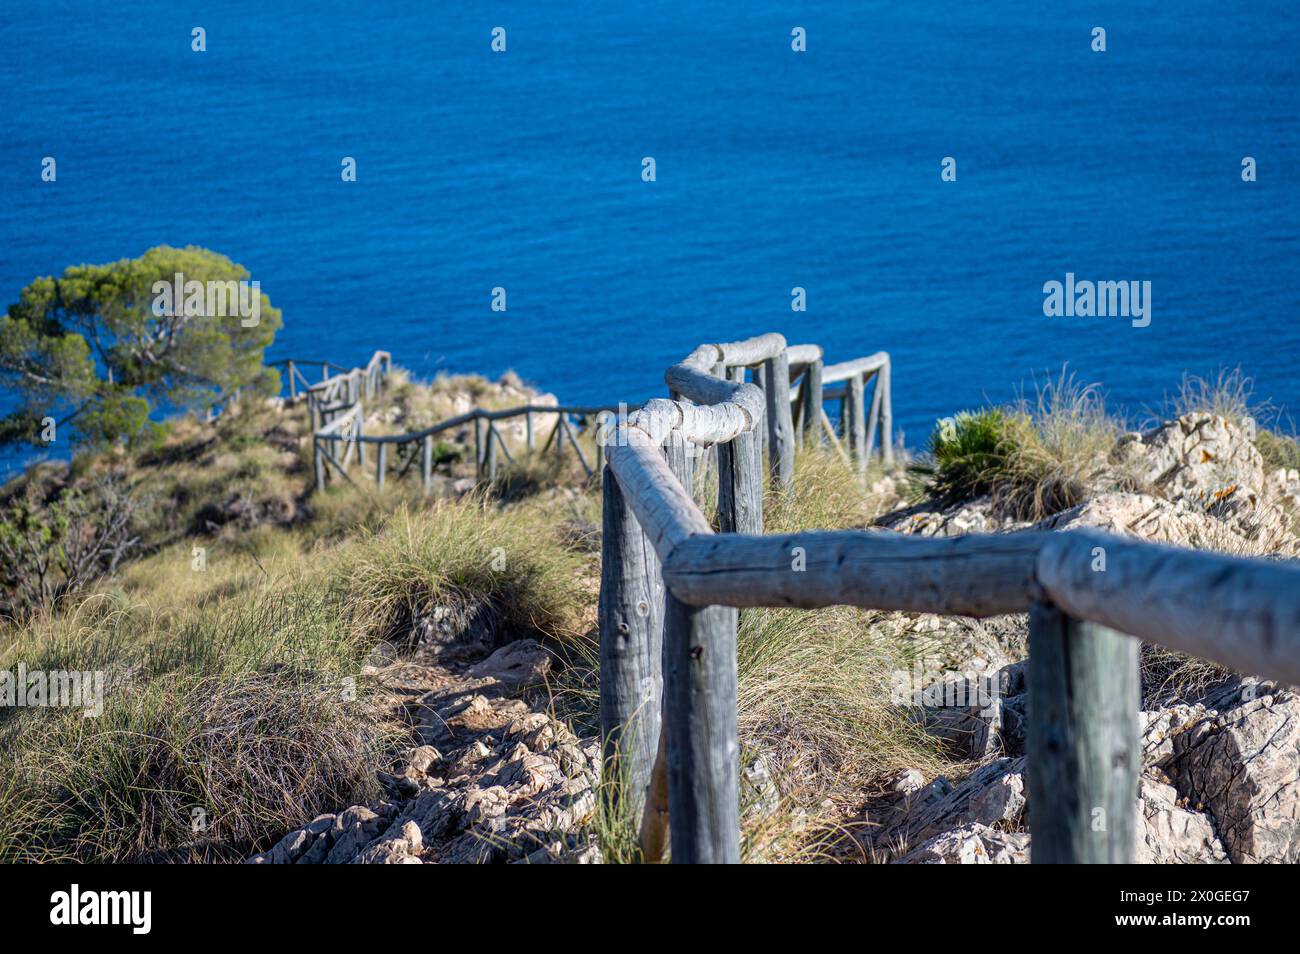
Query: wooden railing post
(478, 448)
(740, 483)
(702, 749)
(886, 413)
(780, 426)
(358, 431)
(810, 404)
(631, 647)
(1082, 747)
(529, 439)
(653, 836)
(426, 463)
(873, 417)
(490, 451)
(381, 464)
(318, 461)
(857, 423)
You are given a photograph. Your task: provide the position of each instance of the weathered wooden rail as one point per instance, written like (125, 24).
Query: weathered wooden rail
(296, 380)
(788, 379)
(671, 586)
(490, 447)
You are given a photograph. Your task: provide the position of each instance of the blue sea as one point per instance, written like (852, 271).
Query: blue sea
(774, 169)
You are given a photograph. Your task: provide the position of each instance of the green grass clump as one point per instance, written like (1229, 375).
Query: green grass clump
(241, 690)
(1036, 458)
(250, 711)
(1230, 394)
(516, 560)
(972, 453)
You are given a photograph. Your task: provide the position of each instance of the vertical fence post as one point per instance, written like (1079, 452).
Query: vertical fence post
(631, 647)
(740, 483)
(886, 413)
(780, 426)
(558, 437)
(873, 418)
(653, 835)
(857, 423)
(426, 463)
(1082, 748)
(700, 721)
(478, 448)
(358, 431)
(811, 403)
(318, 461)
(381, 464)
(490, 451)
(529, 439)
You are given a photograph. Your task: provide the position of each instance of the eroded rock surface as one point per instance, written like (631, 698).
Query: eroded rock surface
(1242, 765)
(1218, 784)
(491, 776)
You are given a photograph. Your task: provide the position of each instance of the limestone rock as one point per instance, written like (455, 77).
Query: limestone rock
(1169, 832)
(1199, 457)
(973, 516)
(989, 796)
(971, 844)
(519, 665)
(1161, 728)
(1243, 766)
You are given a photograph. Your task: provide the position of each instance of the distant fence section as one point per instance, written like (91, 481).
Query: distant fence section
(671, 587)
(790, 381)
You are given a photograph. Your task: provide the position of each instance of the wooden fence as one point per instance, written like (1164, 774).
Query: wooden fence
(337, 415)
(671, 587)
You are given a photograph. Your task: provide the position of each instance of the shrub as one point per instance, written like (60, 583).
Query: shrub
(49, 551)
(1042, 456)
(971, 453)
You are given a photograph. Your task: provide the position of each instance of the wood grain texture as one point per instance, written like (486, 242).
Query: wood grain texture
(800, 355)
(1239, 612)
(811, 403)
(740, 485)
(976, 575)
(426, 464)
(631, 646)
(752, 351)
(700, 721)
(856, 424)
(885, 384)
(780, 426)
(1082, 744)
(665, 508)
(847, 369)
(873, 417)
(653, 837)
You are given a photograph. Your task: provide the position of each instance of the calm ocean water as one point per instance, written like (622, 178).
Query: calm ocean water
(775, 169)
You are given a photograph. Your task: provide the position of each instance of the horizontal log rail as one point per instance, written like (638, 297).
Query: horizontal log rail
(404, 448)
(671, 587)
